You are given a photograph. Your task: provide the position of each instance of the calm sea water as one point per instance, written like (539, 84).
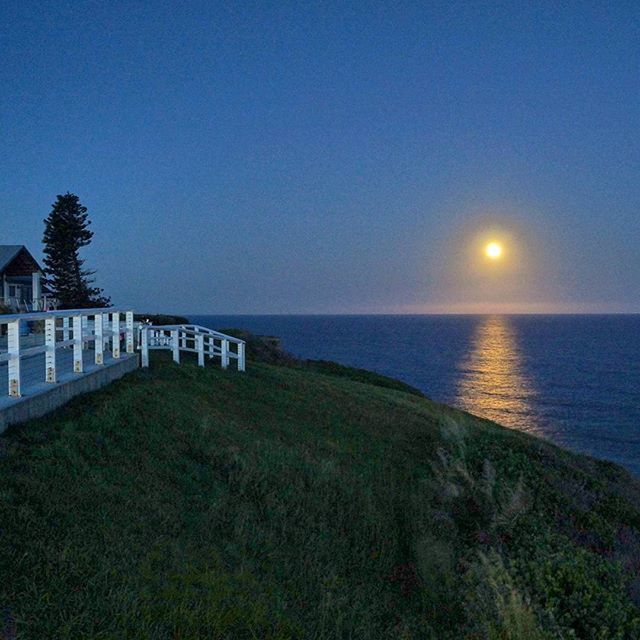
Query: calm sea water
(572, 379)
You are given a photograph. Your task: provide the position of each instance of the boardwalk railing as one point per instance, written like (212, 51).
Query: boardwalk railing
(44, 303)
(74, 330)
(192, 338)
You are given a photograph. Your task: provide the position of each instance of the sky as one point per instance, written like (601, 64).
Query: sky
(325, 157)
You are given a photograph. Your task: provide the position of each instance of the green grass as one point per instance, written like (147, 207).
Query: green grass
(305, 502)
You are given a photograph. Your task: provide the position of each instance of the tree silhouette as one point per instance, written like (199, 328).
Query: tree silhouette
(66, 232)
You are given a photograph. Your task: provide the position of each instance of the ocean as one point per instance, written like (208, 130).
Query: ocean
(574, 379)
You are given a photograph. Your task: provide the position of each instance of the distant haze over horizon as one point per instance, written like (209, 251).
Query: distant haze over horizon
(278, 158)
(479, 312)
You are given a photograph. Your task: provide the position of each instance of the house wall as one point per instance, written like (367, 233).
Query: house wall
(24, 289)
(20, 282)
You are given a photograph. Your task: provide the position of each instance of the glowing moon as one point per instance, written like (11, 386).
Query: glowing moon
(493, 250)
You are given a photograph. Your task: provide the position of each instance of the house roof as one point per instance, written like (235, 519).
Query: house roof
(9, 252)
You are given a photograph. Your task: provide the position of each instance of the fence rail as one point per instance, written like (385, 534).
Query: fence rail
(192, 339)
(74, 329)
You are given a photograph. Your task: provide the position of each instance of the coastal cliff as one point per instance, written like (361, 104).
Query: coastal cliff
(305, 500)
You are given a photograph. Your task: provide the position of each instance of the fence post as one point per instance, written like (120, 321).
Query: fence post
(65, 329)
(241, 363)
(50, 353)
(98, 343)
(78, 340)
(200, 344)
(13, 366)
(144, 339)
(224, 361)
(129, 331)
(175, 345)
(115, 334)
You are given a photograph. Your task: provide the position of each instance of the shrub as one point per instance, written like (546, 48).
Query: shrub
(582, 591)
(498, 610)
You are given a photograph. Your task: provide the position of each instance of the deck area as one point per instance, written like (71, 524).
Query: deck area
(42, 370)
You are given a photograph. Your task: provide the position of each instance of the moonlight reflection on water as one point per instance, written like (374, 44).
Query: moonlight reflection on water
(492, 381)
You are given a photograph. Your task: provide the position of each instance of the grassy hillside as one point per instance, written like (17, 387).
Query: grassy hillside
(304, 502)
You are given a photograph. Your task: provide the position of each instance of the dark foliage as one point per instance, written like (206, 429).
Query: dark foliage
(66, 232)
(262, 348)
(160, 319)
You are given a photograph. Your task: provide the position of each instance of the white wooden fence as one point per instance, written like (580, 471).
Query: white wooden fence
(191, 338)
(103, 331)
(70, 329)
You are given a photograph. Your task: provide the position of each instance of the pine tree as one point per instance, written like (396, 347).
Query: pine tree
(66, 232)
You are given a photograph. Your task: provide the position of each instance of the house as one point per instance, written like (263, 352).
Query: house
(21, 280)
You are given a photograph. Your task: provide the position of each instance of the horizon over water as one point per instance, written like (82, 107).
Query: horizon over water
(574, 379)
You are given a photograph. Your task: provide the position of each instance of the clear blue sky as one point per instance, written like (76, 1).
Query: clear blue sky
(288, 157)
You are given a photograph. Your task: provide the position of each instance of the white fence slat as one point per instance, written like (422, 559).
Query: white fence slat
(200, 343)
(129, 332)
(175, 345)
(115, 336)
(99, 341)
(144, 339)
(13, 365)
(78, 343)
(50, 353)
(224, 361)
(241, 356)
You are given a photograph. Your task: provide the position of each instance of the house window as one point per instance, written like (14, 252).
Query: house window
(12, 291)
